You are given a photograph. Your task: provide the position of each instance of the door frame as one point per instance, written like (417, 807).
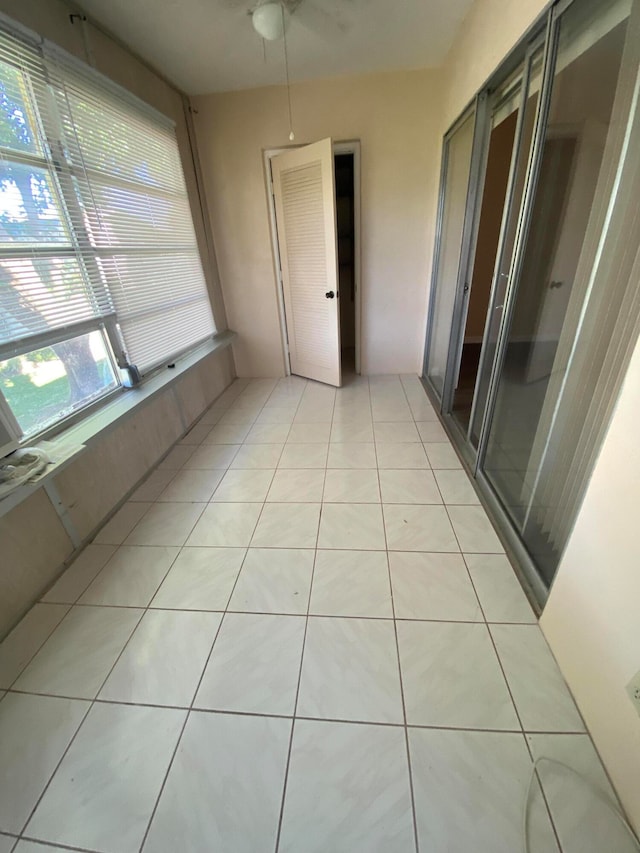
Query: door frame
(347, 147)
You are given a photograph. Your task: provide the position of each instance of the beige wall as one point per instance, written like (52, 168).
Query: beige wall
(395, 117)
(50, 19)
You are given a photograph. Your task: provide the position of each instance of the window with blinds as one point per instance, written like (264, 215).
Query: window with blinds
(99, 265)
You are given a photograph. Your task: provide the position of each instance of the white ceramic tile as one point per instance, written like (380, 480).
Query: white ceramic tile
(406, 455)
(350, 671)
(164, 658)
(256, 456)
(117, 760)
(227, 434)
(351, 486)
(254, 666)
(584, 821)
(455, 487)
(200, 579)
(287, 525)
(498, 589)
(415, 527)
(347, 525)
(347, 430)
(432, 586)
(408, 486)
(131, 577)
(226, 525)
(441, 455)
(302, 433)
(196, 435)
(77, 577)
(539, 691)
(7, 845)
(297, 485)
(238, 414)
(351, 583)
(77, 657)
(274, 580)
(27, 637)
(386, 433)
(166, 524)
(304, 456)
(391, 411)
(209, 456)
(267, 434)
(276, 415)
(352, 455)
(176, 458)
(120, 526)
(224, 789)
(431, 431)
(422, 410)
(469, 790)
(474, 531)
(154, 485)
(451, 677)
(244, 486)
(192, 485)
(36, 730)
(312, 414)
(347, 790)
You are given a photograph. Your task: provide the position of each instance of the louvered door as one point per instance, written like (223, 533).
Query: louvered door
(303, 186)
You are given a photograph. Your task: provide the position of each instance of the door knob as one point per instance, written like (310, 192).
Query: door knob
(330, 294)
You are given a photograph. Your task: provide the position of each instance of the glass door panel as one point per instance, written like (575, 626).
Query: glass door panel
(505, 251)
(548, 295)
(455, 183)
(503, 119)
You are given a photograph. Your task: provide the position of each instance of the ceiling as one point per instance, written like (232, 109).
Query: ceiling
(210, 45)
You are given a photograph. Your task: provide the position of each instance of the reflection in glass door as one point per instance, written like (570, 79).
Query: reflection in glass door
(502, 128)
(453, 193)
(529, 108)
(549, 293)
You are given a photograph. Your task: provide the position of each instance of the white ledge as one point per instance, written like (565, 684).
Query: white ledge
(82, 434)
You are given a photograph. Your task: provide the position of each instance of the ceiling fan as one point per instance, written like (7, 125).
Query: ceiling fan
(270, 18)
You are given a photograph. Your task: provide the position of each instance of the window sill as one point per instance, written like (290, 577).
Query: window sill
(75, 440)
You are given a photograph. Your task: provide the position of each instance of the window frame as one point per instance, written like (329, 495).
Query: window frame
(80, 246)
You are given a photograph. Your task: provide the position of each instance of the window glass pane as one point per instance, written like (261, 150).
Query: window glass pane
(17, 123)
(458, 153)
(38, 294)
(30, 211)
(49, 384)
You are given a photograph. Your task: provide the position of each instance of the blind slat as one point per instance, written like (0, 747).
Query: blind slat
(92, 175)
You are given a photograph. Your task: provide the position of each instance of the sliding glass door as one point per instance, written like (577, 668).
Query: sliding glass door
(579, 144)
(454, 185)
(536, 300)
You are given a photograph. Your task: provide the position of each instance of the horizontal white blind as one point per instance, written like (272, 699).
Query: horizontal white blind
(44, 287)
(138, 233)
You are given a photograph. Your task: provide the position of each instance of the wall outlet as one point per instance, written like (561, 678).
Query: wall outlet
(633, 689)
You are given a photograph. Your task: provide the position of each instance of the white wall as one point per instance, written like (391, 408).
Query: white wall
(395, 117)
(592, 617)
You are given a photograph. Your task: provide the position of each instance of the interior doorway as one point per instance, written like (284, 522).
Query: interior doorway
(345, 224)
(346, 211)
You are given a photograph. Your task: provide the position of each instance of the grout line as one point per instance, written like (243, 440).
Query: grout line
(302, 650)
(202, 674)
(401, 683)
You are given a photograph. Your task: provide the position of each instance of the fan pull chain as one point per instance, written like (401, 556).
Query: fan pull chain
(286, 69)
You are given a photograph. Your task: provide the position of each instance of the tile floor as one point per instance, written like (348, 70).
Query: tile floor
(300, 634)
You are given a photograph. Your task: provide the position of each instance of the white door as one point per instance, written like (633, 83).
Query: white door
(305, 202)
